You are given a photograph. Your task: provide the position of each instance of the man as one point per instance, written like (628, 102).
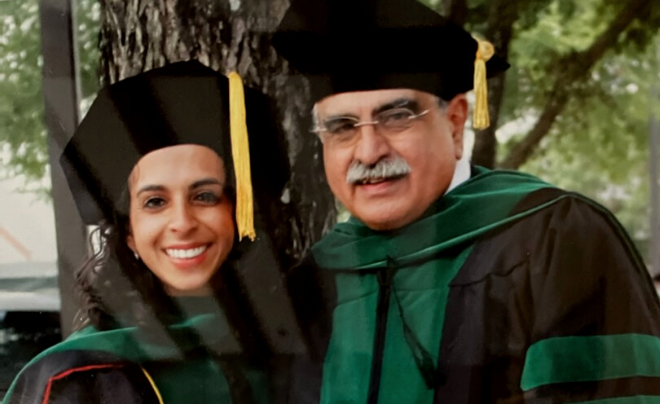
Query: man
(450, 283)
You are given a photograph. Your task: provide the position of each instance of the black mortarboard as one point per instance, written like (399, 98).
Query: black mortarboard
(360, 45)
(182, 103)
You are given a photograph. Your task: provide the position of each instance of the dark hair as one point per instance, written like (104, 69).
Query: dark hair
(117, 290)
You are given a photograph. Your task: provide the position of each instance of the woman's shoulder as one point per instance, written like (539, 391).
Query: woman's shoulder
(86, 367)
(67, 373)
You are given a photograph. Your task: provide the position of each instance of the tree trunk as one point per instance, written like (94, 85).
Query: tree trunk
(454, 10)
(138, 35)
(501, 17)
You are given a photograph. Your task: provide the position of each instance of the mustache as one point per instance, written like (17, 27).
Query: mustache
(383, 169)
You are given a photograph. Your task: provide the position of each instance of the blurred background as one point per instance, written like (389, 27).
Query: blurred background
(579, 108)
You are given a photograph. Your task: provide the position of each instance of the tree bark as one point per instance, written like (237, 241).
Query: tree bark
(138, 35)
(454, 10)
(571, 70)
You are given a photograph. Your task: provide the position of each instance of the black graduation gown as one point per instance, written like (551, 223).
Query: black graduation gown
(555, 306)
(196, 360)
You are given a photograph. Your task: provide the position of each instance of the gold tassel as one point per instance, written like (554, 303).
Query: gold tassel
(485, 51)
(240, 150)
(153, 385)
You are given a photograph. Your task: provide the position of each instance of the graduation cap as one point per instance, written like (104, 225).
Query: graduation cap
(361, 45)
(182, 103)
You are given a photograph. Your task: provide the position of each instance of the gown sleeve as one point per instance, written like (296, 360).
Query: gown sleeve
(593, 313)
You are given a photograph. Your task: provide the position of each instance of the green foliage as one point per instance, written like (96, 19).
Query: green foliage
(599, 147)
(22, 133)
(88, 15)
(23, 137)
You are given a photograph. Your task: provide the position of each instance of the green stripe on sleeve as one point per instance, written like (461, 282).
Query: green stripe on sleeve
(592, 358)
(625, 400)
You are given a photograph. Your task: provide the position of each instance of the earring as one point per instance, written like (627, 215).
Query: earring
(137, 257)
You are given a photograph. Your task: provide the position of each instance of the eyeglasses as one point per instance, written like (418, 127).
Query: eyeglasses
(343, 129)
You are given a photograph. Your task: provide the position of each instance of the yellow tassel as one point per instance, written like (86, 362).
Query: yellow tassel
(240, 150)
(153, 385)
(485, 51)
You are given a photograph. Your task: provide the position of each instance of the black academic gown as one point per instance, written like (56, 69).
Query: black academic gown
(548, 303)
(195, 360)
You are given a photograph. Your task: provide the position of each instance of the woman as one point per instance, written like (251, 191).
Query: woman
(165, 315)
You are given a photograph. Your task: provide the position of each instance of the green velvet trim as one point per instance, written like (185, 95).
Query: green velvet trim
(475, 207)
(625, 400)
(139, 345)
(593, 358)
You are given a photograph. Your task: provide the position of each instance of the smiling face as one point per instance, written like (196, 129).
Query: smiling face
(181, 222)
(418, 161)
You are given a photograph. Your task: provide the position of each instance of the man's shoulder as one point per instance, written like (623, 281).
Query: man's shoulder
(561, 220)
(565, 227)
(491, 203)
(569, 209)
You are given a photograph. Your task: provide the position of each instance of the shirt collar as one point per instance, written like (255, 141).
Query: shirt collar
(461, 174)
